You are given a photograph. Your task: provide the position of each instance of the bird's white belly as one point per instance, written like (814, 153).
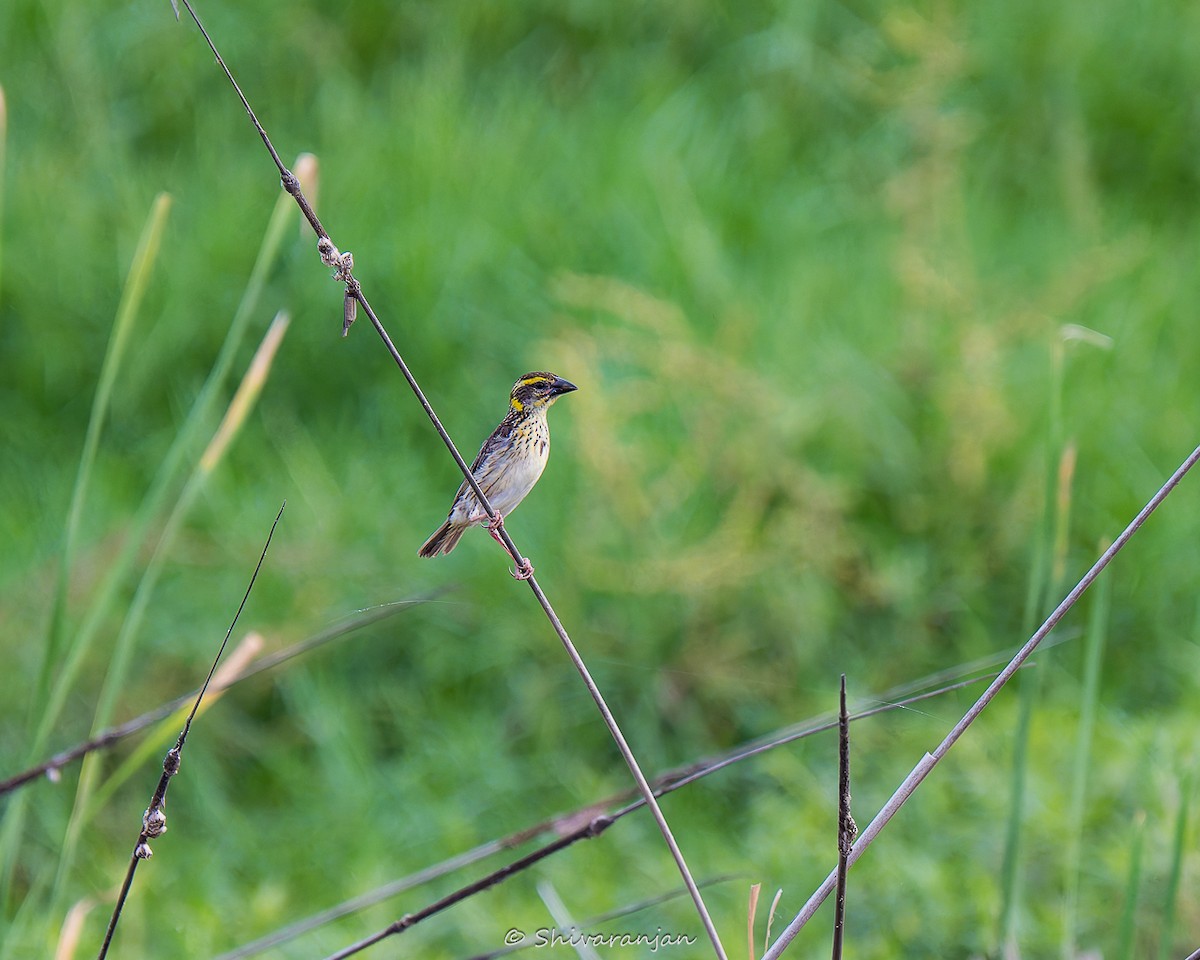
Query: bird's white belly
(519, 478)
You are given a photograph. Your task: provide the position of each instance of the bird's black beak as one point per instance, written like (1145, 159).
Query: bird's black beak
(561, 386)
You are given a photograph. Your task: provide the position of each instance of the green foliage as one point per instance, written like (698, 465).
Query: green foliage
(810, 265)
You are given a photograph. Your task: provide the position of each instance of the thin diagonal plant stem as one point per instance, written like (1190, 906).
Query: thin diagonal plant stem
(927, 763)
(154, 822)
(631, 762)
(354, 291)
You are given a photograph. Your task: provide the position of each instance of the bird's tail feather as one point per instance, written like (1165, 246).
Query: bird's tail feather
(444, 539)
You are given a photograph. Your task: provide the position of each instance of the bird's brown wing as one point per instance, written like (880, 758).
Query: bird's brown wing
(500, 434)
(480, 468)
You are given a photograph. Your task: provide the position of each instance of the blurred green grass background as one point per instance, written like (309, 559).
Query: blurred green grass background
(811, 267)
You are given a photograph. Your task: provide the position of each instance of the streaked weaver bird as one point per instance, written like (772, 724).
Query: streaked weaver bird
(508, 465)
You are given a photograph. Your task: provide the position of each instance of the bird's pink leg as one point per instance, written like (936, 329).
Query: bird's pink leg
(494, 526)
(524, 569)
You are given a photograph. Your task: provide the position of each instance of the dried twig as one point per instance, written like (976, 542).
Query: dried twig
(847, 829)
(154, 820)
(927, 762)
(343, 265)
